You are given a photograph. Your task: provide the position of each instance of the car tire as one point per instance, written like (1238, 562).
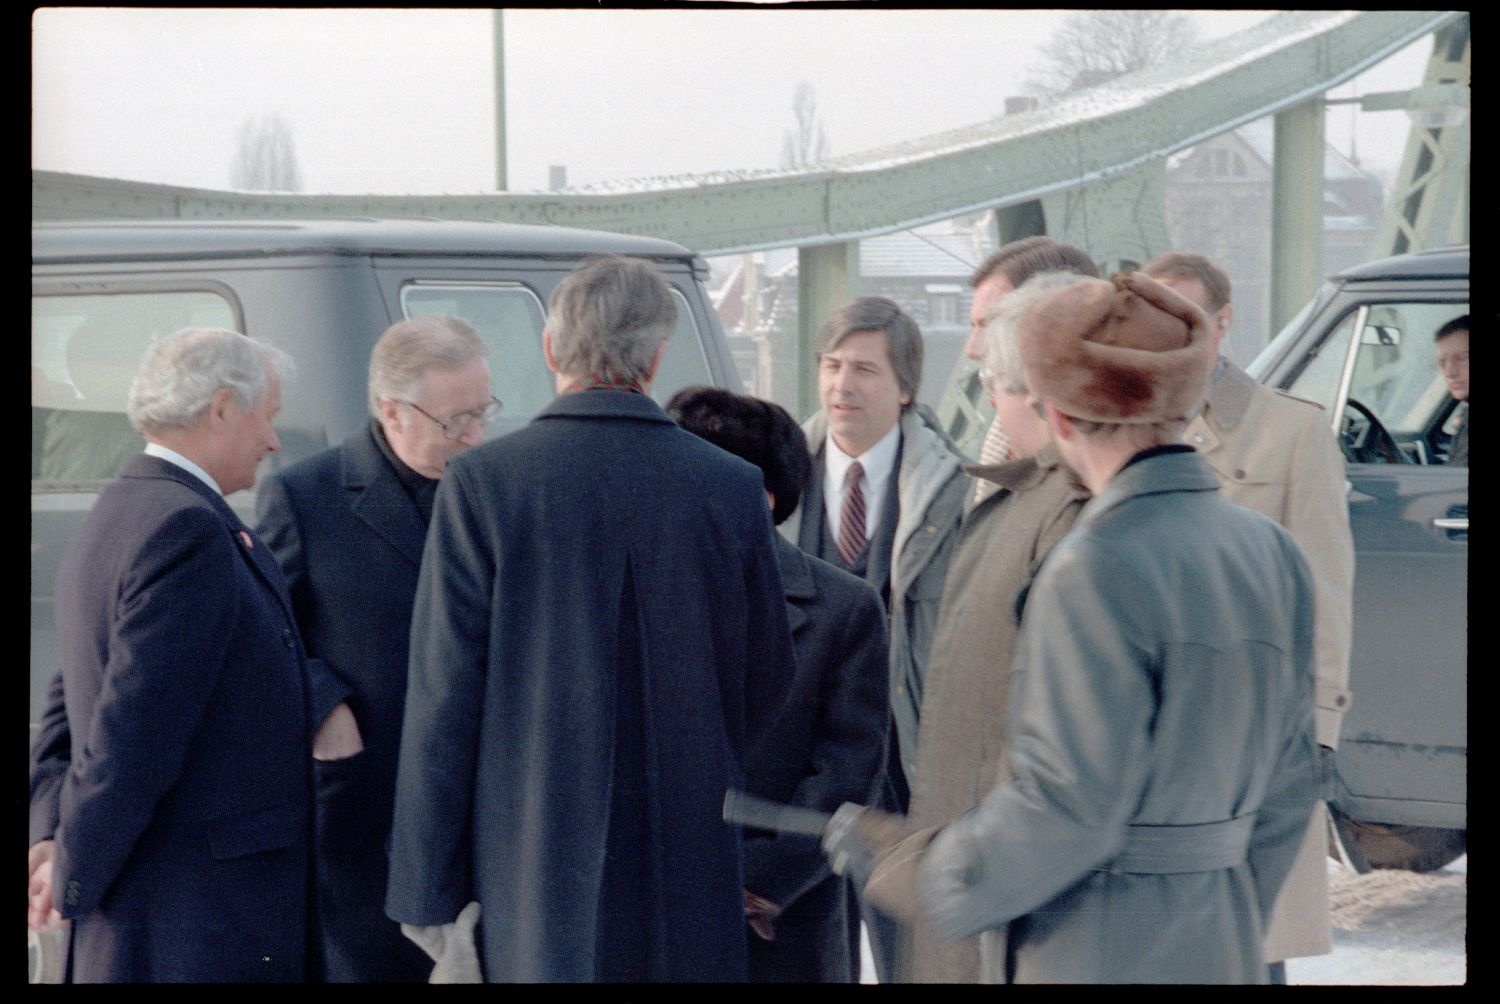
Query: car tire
(1370, 846)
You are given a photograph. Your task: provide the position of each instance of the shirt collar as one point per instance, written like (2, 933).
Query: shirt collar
(171, 456)
(407, 475)
(877, 461)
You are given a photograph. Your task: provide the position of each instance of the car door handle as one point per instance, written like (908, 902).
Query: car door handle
(1451, 524)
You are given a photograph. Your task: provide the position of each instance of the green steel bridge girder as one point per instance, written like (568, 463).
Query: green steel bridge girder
(1089, 138)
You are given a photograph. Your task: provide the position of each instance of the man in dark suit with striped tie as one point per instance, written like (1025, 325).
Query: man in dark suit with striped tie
(885, 502)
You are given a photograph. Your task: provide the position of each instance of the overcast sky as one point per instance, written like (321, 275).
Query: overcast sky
(398, 101)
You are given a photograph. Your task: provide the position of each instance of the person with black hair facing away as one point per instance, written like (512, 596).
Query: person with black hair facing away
(824, 747)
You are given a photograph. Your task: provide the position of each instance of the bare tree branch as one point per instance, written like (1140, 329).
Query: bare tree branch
(1094, 46)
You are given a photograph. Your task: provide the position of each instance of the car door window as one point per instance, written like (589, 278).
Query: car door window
(85, 350)
(1396, 405)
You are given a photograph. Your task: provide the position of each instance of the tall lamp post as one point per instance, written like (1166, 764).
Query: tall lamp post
(501, 183)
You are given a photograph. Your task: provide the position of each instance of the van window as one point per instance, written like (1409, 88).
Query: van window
(684, 364)
(85, 350)
(508, 316)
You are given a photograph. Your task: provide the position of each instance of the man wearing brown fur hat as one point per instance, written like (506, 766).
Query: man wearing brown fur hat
(1161, 765)
(1277, 454)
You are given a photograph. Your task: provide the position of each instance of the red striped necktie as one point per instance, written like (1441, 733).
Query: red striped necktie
(852, 516)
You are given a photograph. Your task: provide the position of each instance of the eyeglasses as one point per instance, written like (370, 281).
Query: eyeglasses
(458, 424)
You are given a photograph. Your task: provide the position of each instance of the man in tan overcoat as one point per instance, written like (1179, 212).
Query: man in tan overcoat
(1027, 504)
(1277, 455)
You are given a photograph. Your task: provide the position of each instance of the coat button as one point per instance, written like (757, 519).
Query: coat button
(1239, 475)
(73, 894)
(286, 637)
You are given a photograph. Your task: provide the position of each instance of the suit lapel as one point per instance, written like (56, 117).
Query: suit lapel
(257, 555)
(376, 497)
(810, 532)
(797, 582)
(883, 542)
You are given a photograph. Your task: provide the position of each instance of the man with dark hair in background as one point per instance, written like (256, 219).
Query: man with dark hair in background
(1453, 361)
(884, 502)
(999, 275)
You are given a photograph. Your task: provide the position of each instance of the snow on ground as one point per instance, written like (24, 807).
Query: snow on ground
(1393, 928)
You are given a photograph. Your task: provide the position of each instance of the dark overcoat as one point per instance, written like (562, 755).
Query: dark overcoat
(349, 540)
(825, 748)
(184, 820)
(599, 626)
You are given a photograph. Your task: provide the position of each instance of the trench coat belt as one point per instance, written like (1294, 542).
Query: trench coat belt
(1165, 850)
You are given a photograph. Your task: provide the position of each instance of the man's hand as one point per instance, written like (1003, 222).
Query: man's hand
(855, 838)
(759, 912)
(338, 737)
(41, 915)
(452, 947)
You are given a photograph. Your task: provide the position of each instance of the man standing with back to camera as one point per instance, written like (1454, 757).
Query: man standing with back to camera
(1277, 455)
(827, 745)
(599, 627)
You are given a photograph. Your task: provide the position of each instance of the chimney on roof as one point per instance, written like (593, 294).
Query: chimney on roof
(1018, 104)
(557, 177)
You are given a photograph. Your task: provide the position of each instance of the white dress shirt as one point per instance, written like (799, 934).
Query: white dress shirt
(173, 457)
(879, 462)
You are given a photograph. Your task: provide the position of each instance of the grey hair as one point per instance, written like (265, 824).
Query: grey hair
(181, 373)
(902, 337)
(607, 318)
(1002, 354)
(409, 349)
